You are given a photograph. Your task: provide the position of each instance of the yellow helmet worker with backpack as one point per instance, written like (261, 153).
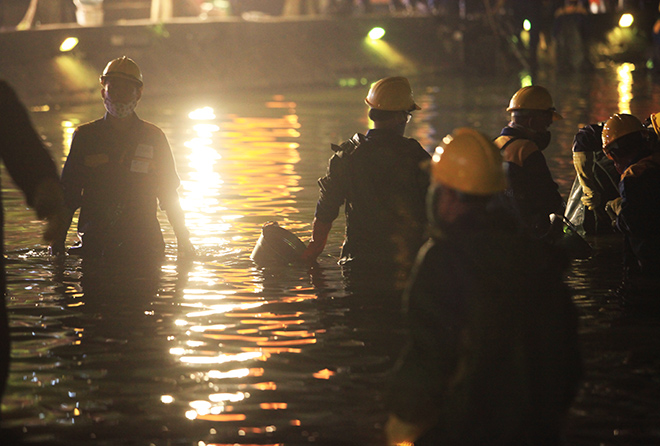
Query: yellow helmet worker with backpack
(378, 179)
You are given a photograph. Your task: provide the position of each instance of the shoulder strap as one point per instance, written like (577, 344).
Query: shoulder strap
(349, 146)
(506, 144)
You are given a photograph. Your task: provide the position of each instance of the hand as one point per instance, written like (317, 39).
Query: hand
(590, 199)
(400, 433)
(185, 248)
(311, 253)
(614, 206)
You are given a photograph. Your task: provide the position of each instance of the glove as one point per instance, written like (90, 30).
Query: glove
(590, 199)
(613, 209)
(320, 231)
(614, 206)
(401, 432)
(583, 163)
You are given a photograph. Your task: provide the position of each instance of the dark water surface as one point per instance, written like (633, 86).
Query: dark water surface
(222, 352)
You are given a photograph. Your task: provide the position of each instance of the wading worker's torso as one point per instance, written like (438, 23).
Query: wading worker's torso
(383, 188)
(531, 186)
(117, 178)
(639, 218)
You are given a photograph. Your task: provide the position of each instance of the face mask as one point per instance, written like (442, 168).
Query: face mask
(119, 110)
(542, 139)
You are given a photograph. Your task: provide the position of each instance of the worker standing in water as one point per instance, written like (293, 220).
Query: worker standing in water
(532, 191)
(492, 356)
(119, 169)
(597, 179)
(30, 166)
(378, 179)
(637, 210)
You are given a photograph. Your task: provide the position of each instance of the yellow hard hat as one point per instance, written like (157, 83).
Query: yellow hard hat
(123, 67)
(618, 126)
(533, 97)
(468, 162)
(391, 94)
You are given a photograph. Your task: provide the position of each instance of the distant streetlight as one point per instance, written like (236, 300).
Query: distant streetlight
(376, 33)
(626, 20)
(68, 44)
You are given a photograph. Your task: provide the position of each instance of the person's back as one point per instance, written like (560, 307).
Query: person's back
(493, 356)
(379, 180)
(384, 198)
(516, 336)
(639, 217)
(597, 178)
(626, 142)
(34, 173)
(533, 192)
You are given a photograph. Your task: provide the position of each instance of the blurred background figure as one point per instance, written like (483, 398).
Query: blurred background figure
(569, 32)
(34, 172)
(637, 210)
(301, 7)
(493, 355)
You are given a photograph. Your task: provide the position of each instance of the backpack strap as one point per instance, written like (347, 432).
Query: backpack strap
(506, 144)
(349, 146)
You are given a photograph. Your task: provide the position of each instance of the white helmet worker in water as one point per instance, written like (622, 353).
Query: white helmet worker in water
(492, 350)
(377, 177)
(119, 170)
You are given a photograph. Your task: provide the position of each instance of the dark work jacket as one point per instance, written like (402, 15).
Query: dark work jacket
(639, 218)
(493, 353)
(29, 164)
(531, 187)
(383, 189)
(117, 179)
(589, 138)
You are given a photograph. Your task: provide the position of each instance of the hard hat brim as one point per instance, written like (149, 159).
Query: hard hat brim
(122, 76)
(414, 107)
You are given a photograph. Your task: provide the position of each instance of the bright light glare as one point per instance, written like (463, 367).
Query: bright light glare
(625, 77)
(68, 44)
(626, 20)
(527, 25)
(376, 33)
(202, 114)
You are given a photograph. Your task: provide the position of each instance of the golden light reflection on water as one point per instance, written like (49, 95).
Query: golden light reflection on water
(68, 127)
(625, 79)
(240, 173)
